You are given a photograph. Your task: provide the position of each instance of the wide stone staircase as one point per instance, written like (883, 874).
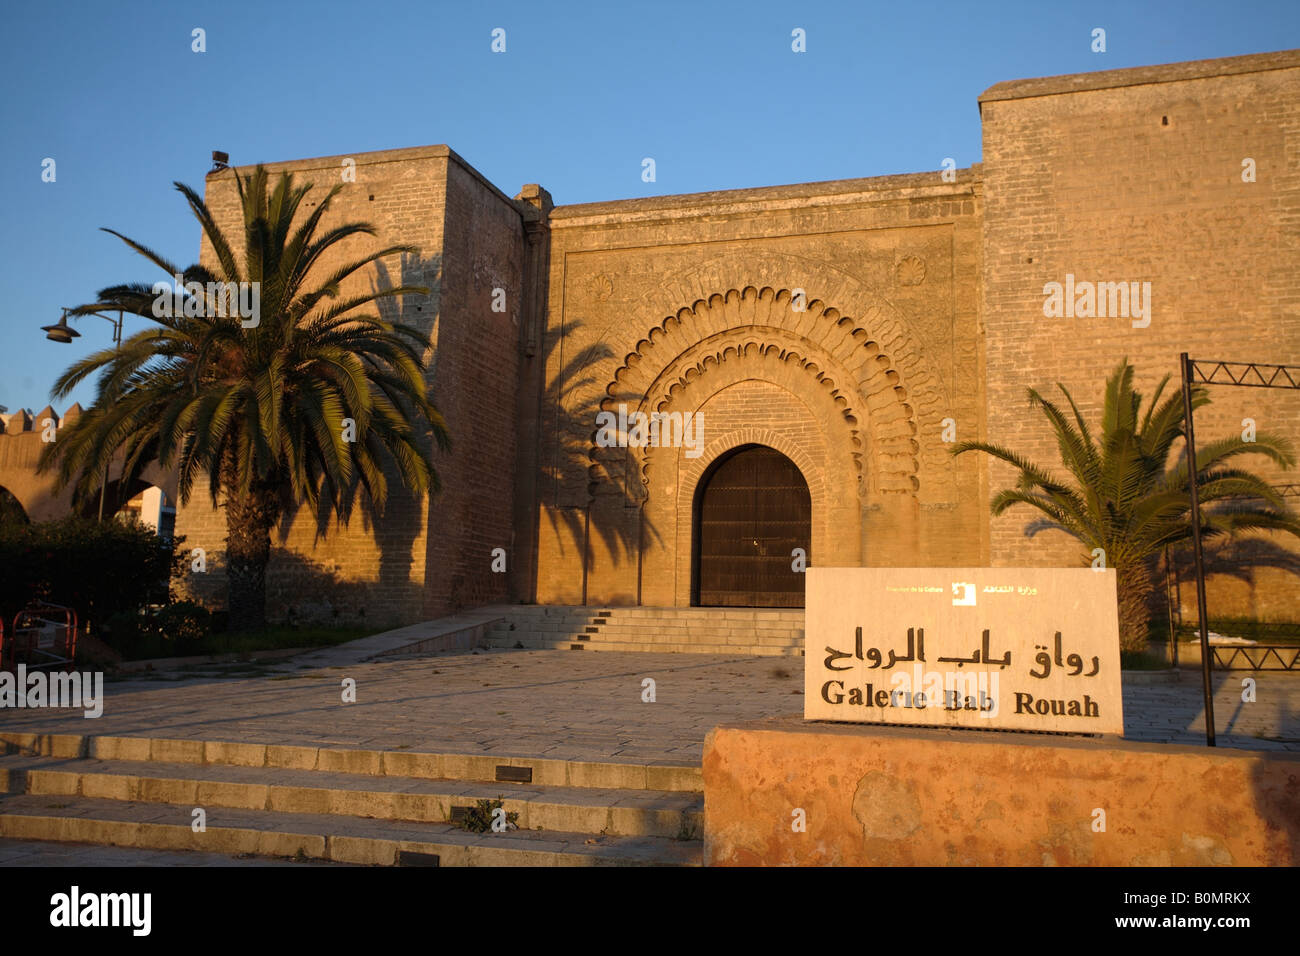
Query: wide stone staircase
(748, 631)
(348, 806)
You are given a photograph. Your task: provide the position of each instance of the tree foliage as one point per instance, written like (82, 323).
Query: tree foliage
(1128, 490)
(311, 401)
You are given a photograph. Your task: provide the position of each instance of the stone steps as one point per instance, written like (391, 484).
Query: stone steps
(655, 627)
(345, 805)
(677, 777)
(324, 836)
(587, 810)
(751, 631)
(663, 646)
(735, 650)
(661, 636)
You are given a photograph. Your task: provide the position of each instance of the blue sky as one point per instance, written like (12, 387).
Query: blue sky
(712, 91)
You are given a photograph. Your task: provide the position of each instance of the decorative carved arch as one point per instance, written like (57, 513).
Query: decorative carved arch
(870, 365)
(690, 480)
(754, 346)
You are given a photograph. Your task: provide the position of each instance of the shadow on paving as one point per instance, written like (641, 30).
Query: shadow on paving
(581, 702)
(598, 699)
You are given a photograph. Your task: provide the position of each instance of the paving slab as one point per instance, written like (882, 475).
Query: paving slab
(563, 705)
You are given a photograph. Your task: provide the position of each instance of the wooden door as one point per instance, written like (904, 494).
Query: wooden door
(752, 510)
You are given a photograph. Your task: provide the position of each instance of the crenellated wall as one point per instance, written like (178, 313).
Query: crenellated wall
(23, 440)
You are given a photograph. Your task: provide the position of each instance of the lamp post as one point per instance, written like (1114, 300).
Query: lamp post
(62, 332)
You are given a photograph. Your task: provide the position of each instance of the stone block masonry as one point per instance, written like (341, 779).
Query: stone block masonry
(420, 558)
(1137, 176)
(857, 327)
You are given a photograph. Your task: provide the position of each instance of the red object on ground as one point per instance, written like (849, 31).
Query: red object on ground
(43, 635)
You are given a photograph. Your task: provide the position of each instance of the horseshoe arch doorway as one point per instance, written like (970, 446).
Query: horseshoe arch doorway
(752, 509)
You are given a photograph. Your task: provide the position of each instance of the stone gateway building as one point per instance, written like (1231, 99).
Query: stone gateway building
(676, 400)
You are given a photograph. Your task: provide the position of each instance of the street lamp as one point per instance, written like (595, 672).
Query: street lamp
(62, 332)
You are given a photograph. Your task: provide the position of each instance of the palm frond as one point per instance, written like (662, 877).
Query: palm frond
(261, 407)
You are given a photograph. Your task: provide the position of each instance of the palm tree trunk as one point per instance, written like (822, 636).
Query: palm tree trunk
(1135, 587)
(249, 521)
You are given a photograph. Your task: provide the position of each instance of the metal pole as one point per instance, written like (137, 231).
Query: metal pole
(1178, 598)
(117, 347)
(1190, 434)
(1169, 601)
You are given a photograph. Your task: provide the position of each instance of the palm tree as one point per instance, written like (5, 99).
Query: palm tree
(306, 401)
(1127, 497)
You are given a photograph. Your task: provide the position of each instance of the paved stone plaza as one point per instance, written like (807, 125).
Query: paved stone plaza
(567, 705)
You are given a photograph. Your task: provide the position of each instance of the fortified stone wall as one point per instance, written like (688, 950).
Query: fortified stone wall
(858, 327)
(474, 385)
(21, 444)
(382, 568)
(24, 439)
(690, 304)
(1137, 176)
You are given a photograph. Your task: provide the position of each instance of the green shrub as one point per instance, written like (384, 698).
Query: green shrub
(478, 818)
(186, 623)
(173, 630)
(99, 569)
(129, 633)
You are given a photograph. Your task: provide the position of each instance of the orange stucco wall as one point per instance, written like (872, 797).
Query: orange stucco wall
(881, 796)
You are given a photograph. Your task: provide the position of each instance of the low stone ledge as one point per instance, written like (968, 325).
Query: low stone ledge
(893, 796)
